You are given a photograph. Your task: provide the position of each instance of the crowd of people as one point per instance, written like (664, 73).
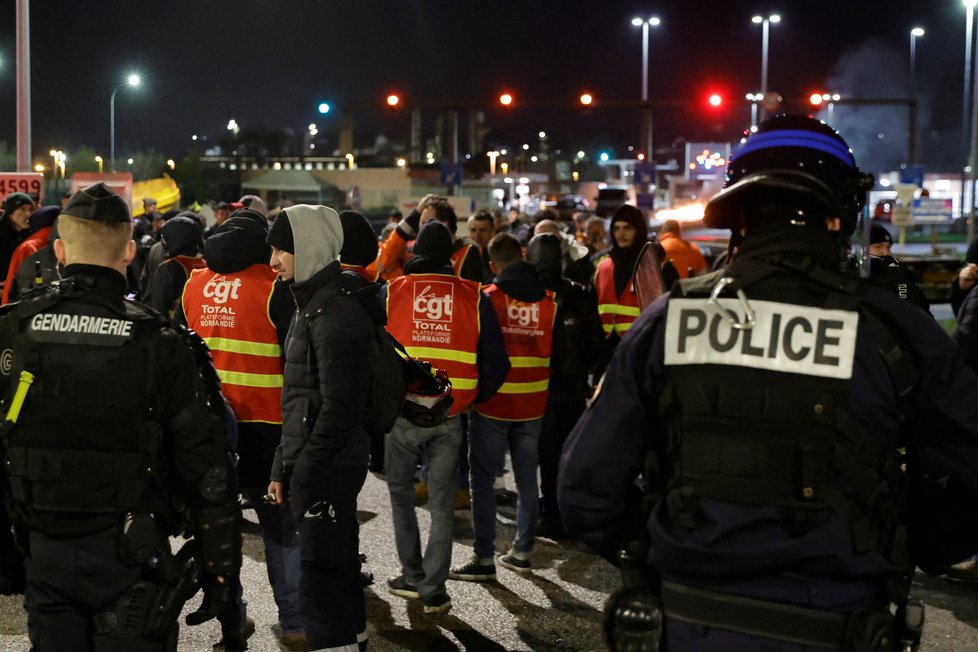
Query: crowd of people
(558, 360)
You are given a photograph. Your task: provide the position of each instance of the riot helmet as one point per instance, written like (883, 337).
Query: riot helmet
(793, 168)
(544, 253)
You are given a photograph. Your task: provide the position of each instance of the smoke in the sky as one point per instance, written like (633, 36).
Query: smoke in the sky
(879, 134)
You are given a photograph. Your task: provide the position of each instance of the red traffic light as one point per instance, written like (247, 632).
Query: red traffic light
(587, 99)
(815, 99)
(715, 100)
(393, 100)
(506, 99)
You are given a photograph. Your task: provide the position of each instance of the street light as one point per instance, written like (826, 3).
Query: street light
(765, 23)
(646, 110)
(98, 159)
(915, 33)
(966, 108)
(132, 80)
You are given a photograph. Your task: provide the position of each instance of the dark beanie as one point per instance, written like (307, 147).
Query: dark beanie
(252, 216)
(280, 234)
(877, 234)
(43, 217)
(182, 235)
(359, 240)
(434, 243)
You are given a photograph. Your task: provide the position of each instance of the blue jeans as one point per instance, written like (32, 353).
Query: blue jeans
(488, 441)
(281, 539)
(405, 444)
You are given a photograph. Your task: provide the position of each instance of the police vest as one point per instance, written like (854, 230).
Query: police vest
(616, 312)
(436, 318)
(230, 312)
(528, 333)
(756, 404)
(86, 447)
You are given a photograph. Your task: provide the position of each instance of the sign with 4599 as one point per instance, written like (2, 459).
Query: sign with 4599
(31, 183)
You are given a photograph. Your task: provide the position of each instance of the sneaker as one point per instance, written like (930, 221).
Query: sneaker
(237, 643)
(401, 587)
(966, 571)
(513, 563)
(473, 571)
(437, 604)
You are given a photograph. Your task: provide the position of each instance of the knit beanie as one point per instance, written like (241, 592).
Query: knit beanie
(280, 234)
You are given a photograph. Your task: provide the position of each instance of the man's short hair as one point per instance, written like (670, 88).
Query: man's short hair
(92, 240)
(484, 216)
(671, 226)
(504, 250)
(594, 219)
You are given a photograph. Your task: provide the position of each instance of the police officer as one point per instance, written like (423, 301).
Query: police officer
(112, 442)
(764, 406)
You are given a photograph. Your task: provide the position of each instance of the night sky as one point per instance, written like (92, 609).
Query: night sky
(269, 63)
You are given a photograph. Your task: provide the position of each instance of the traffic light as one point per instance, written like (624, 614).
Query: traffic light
(323, 108)
(586, 99)
(715, 100)
(506, 99)
(815, 99)
(393, 100)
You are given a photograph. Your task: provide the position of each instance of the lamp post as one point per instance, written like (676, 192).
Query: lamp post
(966, 106)
(915, 33)
(765, 23)
(98, 159)
(132, 80)
(646, 136)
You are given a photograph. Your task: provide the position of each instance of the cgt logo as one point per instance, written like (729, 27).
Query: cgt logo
(433, 301)
(220, 289)
(523, 315)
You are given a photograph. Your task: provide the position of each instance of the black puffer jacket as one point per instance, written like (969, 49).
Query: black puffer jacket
(326, 374)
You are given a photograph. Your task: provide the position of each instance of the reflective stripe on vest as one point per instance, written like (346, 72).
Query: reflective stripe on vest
(458, 257)
(436, 318)
(528, 334)
(230, 312)
(617, 313)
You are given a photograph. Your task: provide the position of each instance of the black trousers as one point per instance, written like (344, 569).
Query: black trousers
(563, 411)
(331, 602)
(69, 583)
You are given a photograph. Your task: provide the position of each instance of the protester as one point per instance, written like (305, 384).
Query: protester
(685, 256)
(41, 224)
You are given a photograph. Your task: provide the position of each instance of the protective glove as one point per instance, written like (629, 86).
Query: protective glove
(633, 621)
(219, 592)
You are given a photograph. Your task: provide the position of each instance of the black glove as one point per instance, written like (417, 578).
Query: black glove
(408, 227)
(633, 621)
(219, 595)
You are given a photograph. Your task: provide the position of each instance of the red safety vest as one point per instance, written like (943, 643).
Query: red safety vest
(458, 257)
(617, 313)
(230, 311)
(436, 318)
(528, 331)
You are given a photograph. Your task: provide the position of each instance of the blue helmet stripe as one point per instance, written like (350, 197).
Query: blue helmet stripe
(796, 138)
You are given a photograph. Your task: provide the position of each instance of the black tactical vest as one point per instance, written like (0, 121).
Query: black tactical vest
(86, 447)
(757, 436)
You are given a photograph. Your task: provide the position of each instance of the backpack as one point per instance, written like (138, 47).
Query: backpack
(386, 393)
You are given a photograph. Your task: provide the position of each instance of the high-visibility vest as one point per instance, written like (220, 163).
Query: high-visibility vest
(230, 311)
(616, 312)
(528, 331)
(458, 257)
(436, 318)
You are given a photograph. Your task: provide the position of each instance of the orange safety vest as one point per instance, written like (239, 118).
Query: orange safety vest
(230, 311)
(458, 257)
(528, 331)
(617, 313)
(436, 318)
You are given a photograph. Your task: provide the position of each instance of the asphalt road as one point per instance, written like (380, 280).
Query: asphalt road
(558, 607)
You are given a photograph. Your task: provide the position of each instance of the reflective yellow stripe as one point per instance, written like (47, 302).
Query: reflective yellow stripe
(464, 383)
(250, 380)
(621, 328)
(608, 328)
(528, 361)
(426, 352)
(243, 346)
(524, 388)
(618, 309)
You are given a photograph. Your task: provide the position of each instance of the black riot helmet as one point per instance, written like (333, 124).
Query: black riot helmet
(544, 253)
(794, 167)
